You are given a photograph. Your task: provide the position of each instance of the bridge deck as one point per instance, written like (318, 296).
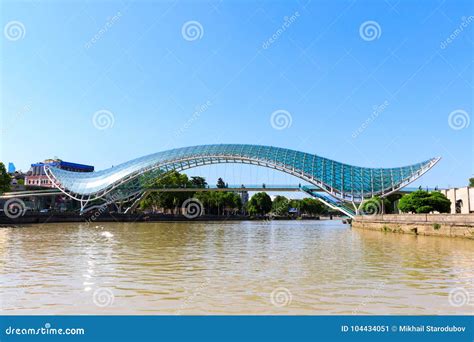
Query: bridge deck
(237, 188)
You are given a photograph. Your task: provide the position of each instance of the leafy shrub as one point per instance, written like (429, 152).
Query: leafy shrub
(424, 202)
(424, 209)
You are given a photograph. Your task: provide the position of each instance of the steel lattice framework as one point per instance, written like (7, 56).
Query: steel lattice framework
(342, 181)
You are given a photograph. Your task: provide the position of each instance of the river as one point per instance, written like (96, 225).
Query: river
(254, 267)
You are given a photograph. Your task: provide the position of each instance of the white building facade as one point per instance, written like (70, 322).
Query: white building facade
(462, 199)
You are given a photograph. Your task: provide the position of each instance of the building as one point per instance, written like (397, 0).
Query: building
(244, 197)
(17, 181)
(11, 168)
(36, 176)
(462, 199)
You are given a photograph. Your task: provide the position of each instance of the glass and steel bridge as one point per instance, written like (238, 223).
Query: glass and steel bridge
(341, 183)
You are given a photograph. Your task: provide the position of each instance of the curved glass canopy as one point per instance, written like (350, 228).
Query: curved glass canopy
(347, 182)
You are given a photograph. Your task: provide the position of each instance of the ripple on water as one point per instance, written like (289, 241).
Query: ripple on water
(230, 268)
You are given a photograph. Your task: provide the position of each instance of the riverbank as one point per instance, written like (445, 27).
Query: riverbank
(448, 225)
(41, 218)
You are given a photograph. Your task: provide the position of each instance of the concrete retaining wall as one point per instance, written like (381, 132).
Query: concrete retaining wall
(449, 225)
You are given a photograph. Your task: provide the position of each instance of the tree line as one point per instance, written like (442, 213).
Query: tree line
(224, 202)
(417, 202)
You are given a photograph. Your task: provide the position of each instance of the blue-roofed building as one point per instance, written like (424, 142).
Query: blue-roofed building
(11, 168)
(37, 177)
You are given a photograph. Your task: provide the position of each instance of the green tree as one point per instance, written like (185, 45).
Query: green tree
(218, 203)
(389, 203)
(220, 183)
(208, 201)
(311, 206)
(280, 205)
(230, 201)
(198, 182)
(295, 203)
(260, 203)
(471, 182)
(167, 200)
(424, 202)
(410, 202)
(439, 202)
(5, 179)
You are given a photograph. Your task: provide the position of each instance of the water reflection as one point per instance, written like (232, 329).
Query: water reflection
(318, 267)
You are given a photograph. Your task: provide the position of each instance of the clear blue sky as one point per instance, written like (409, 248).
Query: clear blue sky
(321, 68)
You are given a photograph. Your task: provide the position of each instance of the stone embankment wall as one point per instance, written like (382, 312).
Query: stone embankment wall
(457, 225)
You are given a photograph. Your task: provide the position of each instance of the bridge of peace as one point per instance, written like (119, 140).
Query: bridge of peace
(340, 186)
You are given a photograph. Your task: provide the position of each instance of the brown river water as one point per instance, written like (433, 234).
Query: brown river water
(277, 267)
